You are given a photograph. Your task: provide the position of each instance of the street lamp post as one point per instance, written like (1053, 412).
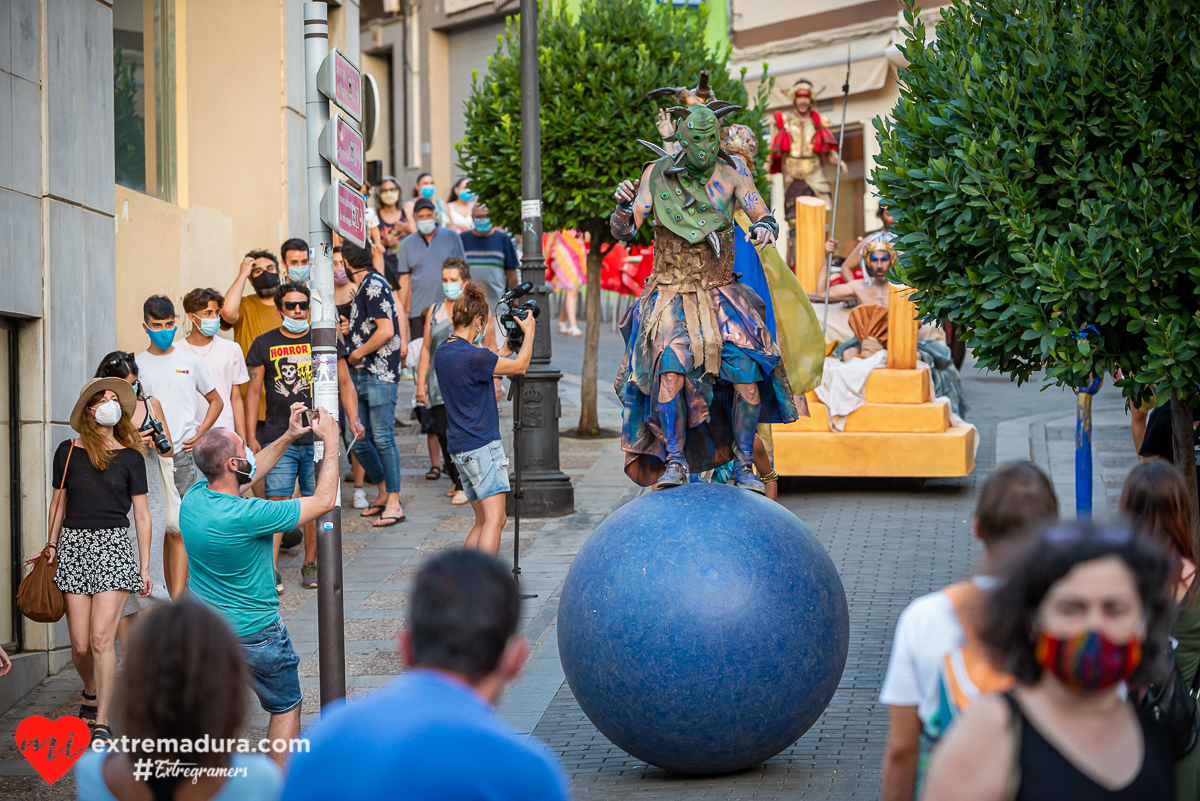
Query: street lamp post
(546, 490)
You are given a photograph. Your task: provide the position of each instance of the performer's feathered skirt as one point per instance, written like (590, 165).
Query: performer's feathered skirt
(714, 338)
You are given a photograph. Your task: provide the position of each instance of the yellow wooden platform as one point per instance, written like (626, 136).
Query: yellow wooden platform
(899, 432)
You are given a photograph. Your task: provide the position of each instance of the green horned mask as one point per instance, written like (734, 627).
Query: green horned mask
(700, 136)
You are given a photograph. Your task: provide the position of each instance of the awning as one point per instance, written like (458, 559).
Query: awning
(867, 75)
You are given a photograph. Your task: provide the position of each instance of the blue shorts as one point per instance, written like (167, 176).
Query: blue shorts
(274, 668)
(484, 471)
(297, 461)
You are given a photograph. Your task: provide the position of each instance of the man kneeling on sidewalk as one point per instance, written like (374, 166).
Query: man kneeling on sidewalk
(230, 549)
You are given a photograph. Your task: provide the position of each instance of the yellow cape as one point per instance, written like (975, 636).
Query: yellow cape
(797, 329)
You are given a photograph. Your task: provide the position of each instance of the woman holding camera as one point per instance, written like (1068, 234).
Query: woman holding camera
(103, 474)
(122, 365)
(465, 371)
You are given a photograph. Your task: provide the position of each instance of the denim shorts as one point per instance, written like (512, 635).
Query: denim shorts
(274, 668)
(484, 471)
(297, 461)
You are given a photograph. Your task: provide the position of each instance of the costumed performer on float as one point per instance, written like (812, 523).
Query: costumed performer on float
(700, 368)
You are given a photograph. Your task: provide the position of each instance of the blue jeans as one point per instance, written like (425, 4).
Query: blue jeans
(273, 667)
(484, 471)
(377, 451)
(296, 462)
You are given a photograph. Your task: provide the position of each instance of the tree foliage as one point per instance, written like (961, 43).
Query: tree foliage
(1042, 161)
(594, 70)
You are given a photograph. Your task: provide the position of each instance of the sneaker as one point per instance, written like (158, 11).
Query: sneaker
(308, 575)
(406, 374)
(278, 583)
(360, 498)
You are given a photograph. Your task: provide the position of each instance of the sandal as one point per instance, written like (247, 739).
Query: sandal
(87, 711)
(574, 331)
(451, 492)
(460, 499)
(374, 510)
(386, 522)
(434, 473)
(101, 731)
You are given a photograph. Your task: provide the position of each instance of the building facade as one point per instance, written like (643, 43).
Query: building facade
(145, 146)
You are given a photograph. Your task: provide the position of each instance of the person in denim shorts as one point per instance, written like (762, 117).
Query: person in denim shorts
(229, 541)
(465, 372)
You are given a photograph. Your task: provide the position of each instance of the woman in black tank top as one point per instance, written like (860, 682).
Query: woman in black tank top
(1081, 612)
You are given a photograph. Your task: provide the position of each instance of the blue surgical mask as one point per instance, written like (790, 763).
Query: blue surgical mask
(429, 190)
(478, 341)
(426, 227)
(253, 467)
(162, 339)
(452, 289)
(466, 196)
(209, 326)
(294, 325)
(299, 272)
(483, 225)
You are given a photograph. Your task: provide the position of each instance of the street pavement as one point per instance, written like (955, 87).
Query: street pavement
(891, 541)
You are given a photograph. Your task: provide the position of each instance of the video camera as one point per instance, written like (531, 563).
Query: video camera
(508, 314)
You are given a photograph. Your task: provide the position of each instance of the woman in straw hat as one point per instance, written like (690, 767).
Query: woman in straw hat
(103, 474)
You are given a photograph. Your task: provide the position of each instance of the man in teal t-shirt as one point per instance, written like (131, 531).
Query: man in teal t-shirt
(229, 542)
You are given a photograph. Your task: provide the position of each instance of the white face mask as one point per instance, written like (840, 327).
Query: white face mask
(426, 226)
(108, 413)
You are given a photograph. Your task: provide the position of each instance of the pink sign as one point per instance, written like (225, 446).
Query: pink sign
(347, 86)
(349, 151)
(351, 214)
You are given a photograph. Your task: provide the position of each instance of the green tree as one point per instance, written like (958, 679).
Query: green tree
(129, 132)
(595, 71)
(1042, 160)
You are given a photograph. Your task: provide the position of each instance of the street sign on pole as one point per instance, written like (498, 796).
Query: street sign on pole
(339, 79)
(342, 145)
(344, 210)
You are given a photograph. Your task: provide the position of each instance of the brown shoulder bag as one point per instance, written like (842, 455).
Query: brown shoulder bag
(38, 597)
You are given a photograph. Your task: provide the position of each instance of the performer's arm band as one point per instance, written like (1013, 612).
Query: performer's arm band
(767, 222)
(621, 222)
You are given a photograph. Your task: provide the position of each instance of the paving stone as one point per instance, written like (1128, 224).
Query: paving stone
(386, 599)
(363, 629)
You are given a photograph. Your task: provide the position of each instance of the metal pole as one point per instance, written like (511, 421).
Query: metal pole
(518, 390)
(1083, 448)
(331, 626)
(837, 185)
(546, 490)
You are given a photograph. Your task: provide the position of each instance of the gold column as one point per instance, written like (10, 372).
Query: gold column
(810, 242)
(902, 329)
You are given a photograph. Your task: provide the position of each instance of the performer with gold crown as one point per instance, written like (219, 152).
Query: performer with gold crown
(701, 369)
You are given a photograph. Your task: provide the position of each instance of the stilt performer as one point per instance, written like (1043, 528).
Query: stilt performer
(700, 368)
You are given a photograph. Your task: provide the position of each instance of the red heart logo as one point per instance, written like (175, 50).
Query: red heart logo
(52, 746)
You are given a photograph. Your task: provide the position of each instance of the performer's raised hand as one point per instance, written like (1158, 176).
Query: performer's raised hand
(627, 191)
(665, 125)
(763, 236)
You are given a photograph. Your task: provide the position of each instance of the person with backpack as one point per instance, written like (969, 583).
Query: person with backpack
(938, 665)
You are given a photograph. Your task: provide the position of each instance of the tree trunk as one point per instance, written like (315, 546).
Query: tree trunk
(589, 421)
(1182, 443)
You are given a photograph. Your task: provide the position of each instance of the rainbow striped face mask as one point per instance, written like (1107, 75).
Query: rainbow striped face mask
(1089, 661)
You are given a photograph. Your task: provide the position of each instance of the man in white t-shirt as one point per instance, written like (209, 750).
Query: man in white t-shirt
(223, 358)
(178, 379)
(1016, 497)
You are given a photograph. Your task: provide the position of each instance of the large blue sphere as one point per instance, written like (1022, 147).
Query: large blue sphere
(703, 628)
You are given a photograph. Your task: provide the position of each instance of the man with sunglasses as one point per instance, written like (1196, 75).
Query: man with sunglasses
(280, 363)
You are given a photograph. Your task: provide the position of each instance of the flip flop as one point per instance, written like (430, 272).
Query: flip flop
(386, 522)
(373, 511)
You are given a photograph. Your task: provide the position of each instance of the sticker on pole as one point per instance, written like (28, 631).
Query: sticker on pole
(325, 386)
(342, 146)
(344, 210)
(339, 79)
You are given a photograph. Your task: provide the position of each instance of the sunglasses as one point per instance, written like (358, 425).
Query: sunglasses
(121, 357)
(292, 305)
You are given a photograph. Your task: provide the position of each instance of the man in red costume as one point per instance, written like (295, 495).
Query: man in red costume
(801, 143)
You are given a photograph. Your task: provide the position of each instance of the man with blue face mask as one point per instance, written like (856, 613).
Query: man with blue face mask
(294, 253)
(491, 254)
(419, 262)
(179, 379)
(280, 363)
(224, 359)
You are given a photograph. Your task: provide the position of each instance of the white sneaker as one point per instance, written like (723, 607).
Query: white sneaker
(360, 498)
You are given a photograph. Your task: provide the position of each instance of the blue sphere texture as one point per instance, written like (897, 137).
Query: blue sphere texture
(703, 629)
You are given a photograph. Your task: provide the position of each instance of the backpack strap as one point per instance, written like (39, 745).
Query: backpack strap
(967, 599)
